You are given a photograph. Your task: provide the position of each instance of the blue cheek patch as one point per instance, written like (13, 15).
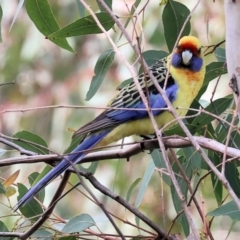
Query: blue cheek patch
(176, 60)
(195, 64)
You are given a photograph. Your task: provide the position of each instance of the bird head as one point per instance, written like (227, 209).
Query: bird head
(188, 54)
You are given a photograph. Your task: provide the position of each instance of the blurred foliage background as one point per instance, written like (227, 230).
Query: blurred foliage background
(46, 75)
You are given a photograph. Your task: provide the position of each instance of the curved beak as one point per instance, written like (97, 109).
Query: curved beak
(186, 56)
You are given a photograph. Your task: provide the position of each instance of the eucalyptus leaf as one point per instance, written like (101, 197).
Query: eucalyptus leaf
(132, 186)
(108, 3)
(216, 183)
(84, 26)
(144, 183)
(229, 209)
(42, 16)
(32, 209)
(78, 223)
(103, 64)
(2, 189)
(213, 70)
(173, 17)
(220, 54)
(31, 142)
(42, 235)
(216, 107)
(160, 164)
(187, 168)
(81, 8)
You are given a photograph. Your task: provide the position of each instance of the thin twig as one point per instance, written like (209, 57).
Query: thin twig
(124, 203)
(213, 47)
(7, 83)
(49, 211)
(202, 215)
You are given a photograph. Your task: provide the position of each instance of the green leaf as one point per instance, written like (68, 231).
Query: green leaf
(160, 164)
(31, 210)
(42, 16)
(2, 189)
(222, 128)
(177, 130)
(231, 229)
(34, 142)
(35, 178)
(152, 56)
(220, 54)
(217, 188)
(78, 223)
(213, 70)
(42, 235)
(81, 8)
(91, 169)
(41, 194)
(235, 138)
(173, 17)
(10, 191)
(108, 3)
(216, 183)
(137, 220)
(84, 26)
(132, 186)
(68, 238)
(195, 105)
(32, 177)
(229, 209)
(42, 174)
(124, 83)
(103, 64)
(76, 140)
(208, 131)
(187, 168)
(217, 107)
(144, 183)
(3, 228)
(193, 156)
(222, 131)
(232, 175)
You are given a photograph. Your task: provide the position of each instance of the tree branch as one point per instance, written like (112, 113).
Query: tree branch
(134, 149)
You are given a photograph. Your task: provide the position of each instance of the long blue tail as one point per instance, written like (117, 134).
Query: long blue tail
(88, 143)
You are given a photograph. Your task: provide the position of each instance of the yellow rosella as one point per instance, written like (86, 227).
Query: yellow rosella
(186, 75)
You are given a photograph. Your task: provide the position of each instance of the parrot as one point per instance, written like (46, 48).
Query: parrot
(185, 69)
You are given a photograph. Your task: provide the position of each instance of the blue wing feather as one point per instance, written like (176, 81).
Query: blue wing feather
(155, 101)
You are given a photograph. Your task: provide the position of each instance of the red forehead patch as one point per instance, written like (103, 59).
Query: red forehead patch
(188, 45)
